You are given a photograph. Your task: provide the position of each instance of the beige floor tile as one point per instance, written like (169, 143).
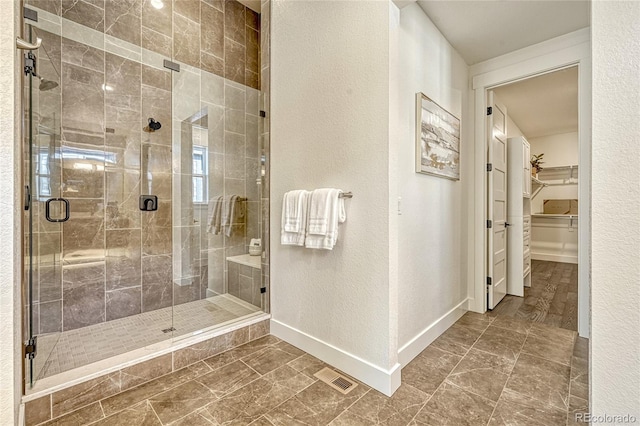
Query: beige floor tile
(135, 395)
(316, 405)
(228, 378)
(552, 333)
(348, 418)
(180, 401)
(83, 416)
(197, 418)
(240, 352)
(258, 397)
(514, 409)
(581, 348)
(475, 320)
(577, 408)
(374, 408)
(141, 414)
(308, 365)
(269, 359)
(451, 405)
(457, 339)
(262, 421)
(579, 378)
(558, 350)
(513, 324)
(482, 373)
(541, 379)
(501, 342)
(429, 369)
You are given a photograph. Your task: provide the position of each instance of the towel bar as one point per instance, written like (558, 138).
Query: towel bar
(346, 195)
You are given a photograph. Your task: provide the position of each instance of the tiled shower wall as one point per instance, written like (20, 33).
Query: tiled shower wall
(111, 260)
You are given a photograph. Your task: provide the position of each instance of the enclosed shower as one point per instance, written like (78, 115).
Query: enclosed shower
(146, 149)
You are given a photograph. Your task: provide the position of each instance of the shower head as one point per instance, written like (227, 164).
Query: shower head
(152, 126)
(47, 85)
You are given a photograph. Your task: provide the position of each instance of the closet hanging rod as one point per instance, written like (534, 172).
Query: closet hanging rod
(346, 195)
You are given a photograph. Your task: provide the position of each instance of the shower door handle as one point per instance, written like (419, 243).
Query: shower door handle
(47, 210)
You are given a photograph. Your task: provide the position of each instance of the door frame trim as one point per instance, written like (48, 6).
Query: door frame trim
(573, 49)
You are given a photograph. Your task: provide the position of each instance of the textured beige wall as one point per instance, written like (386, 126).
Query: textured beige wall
(615, 323)
(10, 249)
(432, 232)
(330, 127)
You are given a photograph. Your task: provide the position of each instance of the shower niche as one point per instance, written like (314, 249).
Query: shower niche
(126, 160)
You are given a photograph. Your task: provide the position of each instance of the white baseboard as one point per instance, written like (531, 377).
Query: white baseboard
(385, 381)
(416, 345)
(554, 258)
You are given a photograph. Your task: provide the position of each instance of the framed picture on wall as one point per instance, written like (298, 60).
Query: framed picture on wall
(437, 140)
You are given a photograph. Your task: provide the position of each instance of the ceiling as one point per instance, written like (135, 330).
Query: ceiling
(483, 29)
(544, 105)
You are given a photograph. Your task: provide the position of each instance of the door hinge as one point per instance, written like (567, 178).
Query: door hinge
(263, 290)
(30, 64)
(489, 224)
(27, 197)
(30, 14)
(263, 114)
(173, 66)
(30, 351)
(488, 280)
(489, 167)
(489, 110)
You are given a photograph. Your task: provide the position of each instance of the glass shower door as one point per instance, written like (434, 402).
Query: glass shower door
(45, 208)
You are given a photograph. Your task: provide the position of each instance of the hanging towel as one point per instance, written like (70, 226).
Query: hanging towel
(215, 217)
(294, 209)
(228, 214)
(294, 217)
(319, 207)
(326, 211)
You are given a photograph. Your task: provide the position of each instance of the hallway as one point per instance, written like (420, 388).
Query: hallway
(552, 298)
(486, 369)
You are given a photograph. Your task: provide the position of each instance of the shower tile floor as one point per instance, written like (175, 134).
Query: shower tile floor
(60, 352)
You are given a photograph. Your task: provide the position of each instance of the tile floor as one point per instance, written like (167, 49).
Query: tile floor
(484, 370)
(59, 352)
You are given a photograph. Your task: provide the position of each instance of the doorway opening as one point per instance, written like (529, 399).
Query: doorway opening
(486, 77)
(533, 199)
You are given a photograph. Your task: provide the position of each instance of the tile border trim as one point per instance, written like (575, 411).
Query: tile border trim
(147, 353)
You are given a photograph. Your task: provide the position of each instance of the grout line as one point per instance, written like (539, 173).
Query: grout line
(104, 415)
(351, 405)
(448, 374)
(153, 410)
(508, 377)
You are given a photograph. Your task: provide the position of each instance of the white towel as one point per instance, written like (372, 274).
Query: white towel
(228, 214)
(325, 214)
(319, 207)
(215, 217)
(294, 218)
(294, 209)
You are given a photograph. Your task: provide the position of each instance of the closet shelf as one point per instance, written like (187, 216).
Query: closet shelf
(539, 183)
(555, 216)
(559, 168)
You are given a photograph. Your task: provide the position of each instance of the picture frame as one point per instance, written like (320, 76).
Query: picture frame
(437, 140)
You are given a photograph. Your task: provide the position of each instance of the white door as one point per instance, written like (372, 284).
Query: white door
(497, 201)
